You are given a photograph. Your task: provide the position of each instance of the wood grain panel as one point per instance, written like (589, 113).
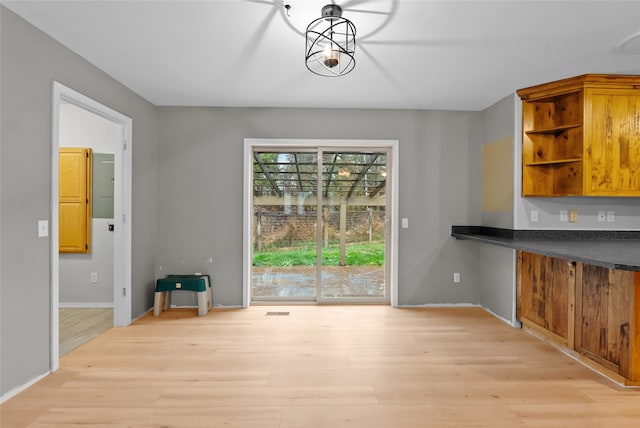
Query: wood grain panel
(607, 308)
(614, 142)
(585, 132)
(631, 361)
(543, 296)
(74, 184)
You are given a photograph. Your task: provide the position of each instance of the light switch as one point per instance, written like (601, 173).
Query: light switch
(43, 228)
(405, 223)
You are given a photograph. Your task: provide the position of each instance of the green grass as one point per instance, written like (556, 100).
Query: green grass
(356, 255)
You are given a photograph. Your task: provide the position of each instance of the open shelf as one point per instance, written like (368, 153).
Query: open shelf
(559, 161)
(556, 130)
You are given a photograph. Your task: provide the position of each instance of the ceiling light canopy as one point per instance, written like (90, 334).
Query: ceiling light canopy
(331, 43)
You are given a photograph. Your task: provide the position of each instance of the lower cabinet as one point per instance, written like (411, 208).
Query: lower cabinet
(591, 310)
(544, 285)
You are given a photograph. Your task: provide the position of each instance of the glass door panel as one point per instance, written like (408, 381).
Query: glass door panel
(353, 226)
(334, 253)
(284, 225)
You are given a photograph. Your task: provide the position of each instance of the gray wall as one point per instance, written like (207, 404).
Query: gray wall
(31, 60)
(497, 276)
(498, 123)
(200, 182)
(627, 213)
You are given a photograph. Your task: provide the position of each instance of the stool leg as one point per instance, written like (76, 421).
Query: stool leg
(157, 303)
(202, 303)
(167, 300)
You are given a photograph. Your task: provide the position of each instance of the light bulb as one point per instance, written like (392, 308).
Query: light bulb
(330, 56)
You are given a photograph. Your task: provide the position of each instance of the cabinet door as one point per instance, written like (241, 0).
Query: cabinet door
(605, 315)
(612, 142)
(74, 225)
(544, 286)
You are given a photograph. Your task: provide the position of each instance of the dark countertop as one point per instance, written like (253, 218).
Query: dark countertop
(609, 249)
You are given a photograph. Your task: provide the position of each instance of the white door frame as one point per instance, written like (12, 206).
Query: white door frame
(251, 143)
(122, 211)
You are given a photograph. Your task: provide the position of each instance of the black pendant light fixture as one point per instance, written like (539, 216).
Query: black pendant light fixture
(331, 43)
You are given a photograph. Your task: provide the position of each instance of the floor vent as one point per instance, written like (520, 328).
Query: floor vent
(277, 313)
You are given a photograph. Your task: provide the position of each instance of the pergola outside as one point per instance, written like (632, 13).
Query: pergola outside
(289, 181)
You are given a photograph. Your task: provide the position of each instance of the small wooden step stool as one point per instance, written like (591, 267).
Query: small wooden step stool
(197, 283)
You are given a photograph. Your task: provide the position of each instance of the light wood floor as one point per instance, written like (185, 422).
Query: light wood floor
(322, 366)
(80, 325)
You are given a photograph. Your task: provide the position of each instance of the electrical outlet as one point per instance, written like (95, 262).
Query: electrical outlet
(611, 216)
(534, 216)
(456, 277)
(602, 217)
(573, 216)
(564, 215)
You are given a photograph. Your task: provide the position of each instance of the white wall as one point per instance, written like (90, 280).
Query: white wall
(81, 128)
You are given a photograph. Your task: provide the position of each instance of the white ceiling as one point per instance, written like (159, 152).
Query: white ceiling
(411, 54)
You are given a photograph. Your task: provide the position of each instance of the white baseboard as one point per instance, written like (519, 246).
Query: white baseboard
(442, 305)
(18, 389)
(85, 305)
(214, 306)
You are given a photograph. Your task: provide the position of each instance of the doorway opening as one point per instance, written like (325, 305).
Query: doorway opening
(319, 221)
(119, 227)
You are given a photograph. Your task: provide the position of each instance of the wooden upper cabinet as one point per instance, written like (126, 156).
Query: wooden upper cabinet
(74, 214)
(612, 143)
(581, 137)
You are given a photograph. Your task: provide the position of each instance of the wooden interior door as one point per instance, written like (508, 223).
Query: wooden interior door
(74, 228)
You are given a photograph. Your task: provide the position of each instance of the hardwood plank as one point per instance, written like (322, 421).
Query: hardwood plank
(322, 366)
(228, 417)
(77, 326)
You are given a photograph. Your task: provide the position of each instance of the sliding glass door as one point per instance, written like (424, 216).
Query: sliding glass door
(285, 232)
(352, 248)
(319, 236)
